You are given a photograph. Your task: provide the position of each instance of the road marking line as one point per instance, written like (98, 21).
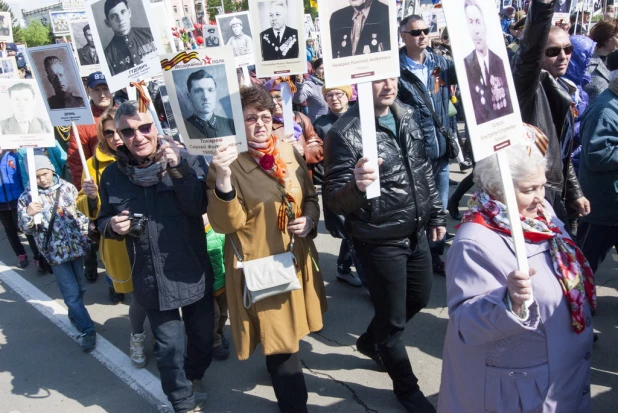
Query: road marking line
(142, 381)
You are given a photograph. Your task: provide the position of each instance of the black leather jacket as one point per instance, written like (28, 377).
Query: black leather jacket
(543, 102)
(408, 200)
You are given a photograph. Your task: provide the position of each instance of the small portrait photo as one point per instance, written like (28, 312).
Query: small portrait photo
(211, 36)
(84, 43)
(204, 101)
(359, 27)
(310, 28)
(562, 6)
(125, 33)
(431, 18)
(59, 81)
(6, 27)
(8, 68)
(236, 32)
(278, 30)
(187, 24)
(60, 20)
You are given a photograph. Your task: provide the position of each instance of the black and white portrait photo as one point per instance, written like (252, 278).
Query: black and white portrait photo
(562, 6)
(187, 24)
(431, 18)
(485, 71)
(84, 43)
(278, 37)
(6, 28)
(204, 102)
(236, 33)
(359, 27)
(8, 68)
(211, 36)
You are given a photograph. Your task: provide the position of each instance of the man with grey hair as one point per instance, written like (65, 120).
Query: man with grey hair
(57, 76)
(279, 41)
(598, 171)
(153, 198)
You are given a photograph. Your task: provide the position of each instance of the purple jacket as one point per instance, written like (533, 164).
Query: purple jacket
(493, 361)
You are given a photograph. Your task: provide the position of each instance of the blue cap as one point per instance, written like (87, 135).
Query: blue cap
(95, 79)
(11, 46)
(21, 61)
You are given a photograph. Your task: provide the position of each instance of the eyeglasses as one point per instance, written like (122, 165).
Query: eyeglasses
(129, 133)
(252, 119)
(555, 51)
(109, 133)
(278, 98)
(417, 32)
(334, 95)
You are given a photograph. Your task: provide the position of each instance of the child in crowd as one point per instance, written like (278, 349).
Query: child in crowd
(214, 245)
(61, 239)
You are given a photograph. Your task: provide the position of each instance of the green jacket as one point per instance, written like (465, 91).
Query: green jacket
(214, 246)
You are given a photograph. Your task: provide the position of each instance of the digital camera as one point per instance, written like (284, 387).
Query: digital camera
(138, 225)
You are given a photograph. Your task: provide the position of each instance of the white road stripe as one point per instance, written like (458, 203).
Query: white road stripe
(141, 380)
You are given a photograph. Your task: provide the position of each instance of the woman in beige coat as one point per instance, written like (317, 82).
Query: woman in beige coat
(247, 205)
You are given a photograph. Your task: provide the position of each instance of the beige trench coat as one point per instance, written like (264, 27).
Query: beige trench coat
(280, 321)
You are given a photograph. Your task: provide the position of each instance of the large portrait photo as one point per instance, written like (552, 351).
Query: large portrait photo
(6, 27)
(235, 30)
(83, 43)
(124, 37)
(60, 83)
(488, 94)
(60, 20)
(24, 120)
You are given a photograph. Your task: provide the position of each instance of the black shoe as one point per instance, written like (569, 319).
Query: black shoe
(453, 210)
(115, 297)
(449, 236)
(438, 266)
(465, 165)
(91, 273)
(369, 348)
(417, 403)
(220, 353)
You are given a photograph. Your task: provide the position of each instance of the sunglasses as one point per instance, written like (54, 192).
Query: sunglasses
(555, 51)
(252, 119)
(109, 133)
(129, 133)
(417, 32)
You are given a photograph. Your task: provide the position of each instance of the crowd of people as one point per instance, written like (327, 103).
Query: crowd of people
(181, 235)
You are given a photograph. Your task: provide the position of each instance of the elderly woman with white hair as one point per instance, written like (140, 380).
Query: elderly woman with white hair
(516, 342)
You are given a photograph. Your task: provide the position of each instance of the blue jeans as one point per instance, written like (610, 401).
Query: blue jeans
(72, 285)
(440, 175)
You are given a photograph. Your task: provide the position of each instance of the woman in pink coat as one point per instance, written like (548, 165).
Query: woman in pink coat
(501, 355)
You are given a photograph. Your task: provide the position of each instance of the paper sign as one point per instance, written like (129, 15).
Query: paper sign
(6, 27)
(8, 68)
(60, 20)
(83, 45)
(235, 29)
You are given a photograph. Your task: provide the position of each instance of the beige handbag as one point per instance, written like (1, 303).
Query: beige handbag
(268, 276)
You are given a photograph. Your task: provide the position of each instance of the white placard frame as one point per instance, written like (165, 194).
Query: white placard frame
(7, 38)
(84, 70)
(368, 126)
(224, 20)
(11, 64)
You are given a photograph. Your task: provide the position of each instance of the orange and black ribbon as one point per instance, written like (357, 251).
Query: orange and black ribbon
(142, 97)
(288, 209)
(183, 57)
(438, 82)
(285, 80)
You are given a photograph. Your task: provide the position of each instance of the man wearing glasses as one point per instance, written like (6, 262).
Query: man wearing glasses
(485, 71)
(167, 248)
(424, 84)
(360, 28)
(545, 102)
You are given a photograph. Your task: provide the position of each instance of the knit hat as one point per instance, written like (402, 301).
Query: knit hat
(41, 162)
(345, 89)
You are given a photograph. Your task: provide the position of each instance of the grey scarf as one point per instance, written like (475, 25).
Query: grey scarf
(147, 174)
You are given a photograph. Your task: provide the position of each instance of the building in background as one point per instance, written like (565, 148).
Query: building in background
(180, 8)
(42, 13)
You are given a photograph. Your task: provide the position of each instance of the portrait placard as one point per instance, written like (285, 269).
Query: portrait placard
(203, 94)
(6, 27)
(124, 36)
(235, 29)
(24, 122)
(486, 83)
(60, 20)
(562, 6)
(279, 43)
(163, 21)
(431, 18)
(359, 47)
(212, 37)
(83, 46)
(187, 24)
(8, 68)
(60, 84)
(309, 26)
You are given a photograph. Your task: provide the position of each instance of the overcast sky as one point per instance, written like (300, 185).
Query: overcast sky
(17, 5)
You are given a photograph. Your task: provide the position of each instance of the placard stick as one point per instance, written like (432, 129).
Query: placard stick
(34, 189)
(288, 114)
(368, 132)
(517, 232)
(245, 76)
(80, 149)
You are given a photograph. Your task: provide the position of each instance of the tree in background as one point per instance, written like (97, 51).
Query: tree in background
(16, 28)
(230, 6)
(309, 9)
(36, 35)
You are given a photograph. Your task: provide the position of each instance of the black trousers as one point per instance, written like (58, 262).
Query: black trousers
(596, 241)
(288, 382)
(176, 370)
(399, 277)
(555, 200)
(9, 222)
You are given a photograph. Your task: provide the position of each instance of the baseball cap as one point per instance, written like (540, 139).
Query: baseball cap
(612, 61)
(95, 79)
(21, 61)
(11, 46)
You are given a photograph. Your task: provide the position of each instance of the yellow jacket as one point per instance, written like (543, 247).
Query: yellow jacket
(113, 253)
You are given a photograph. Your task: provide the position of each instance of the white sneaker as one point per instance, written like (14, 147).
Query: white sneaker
(138, 357)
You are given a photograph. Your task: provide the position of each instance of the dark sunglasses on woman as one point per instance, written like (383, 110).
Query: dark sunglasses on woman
(129, 133)
(417, 32)
(555, 51)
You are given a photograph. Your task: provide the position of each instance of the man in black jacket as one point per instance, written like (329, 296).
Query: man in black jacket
(543, 57)
(166, 246)
(389, 232)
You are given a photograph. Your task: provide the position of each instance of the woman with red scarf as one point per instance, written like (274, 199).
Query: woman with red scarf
(262, 200)
(516, 342)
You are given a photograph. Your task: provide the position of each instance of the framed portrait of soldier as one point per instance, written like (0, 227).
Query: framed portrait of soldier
(280, 44)
(24, 122)
(487, 92)
(8, 68)
(212, 38)
(203, 94)
(60, 84)
(60, 20)
(431, 18)
(83, 46)
(125, 38)
(235, 29)
(6, 27)
(359, 40)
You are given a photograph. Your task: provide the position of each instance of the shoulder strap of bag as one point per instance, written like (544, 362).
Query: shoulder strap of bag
(50, 228)
(239, 257)
(429, 105)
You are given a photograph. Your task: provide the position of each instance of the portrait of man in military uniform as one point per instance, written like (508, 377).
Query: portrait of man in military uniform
(212, 40)
(59, 79)
(129, 45)
(24, 104)
(5, 29)
(485, 71)
(241, 43)
(88, 54)
(279, 41)
(362, 27)
(203, 123)
(562, 6)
